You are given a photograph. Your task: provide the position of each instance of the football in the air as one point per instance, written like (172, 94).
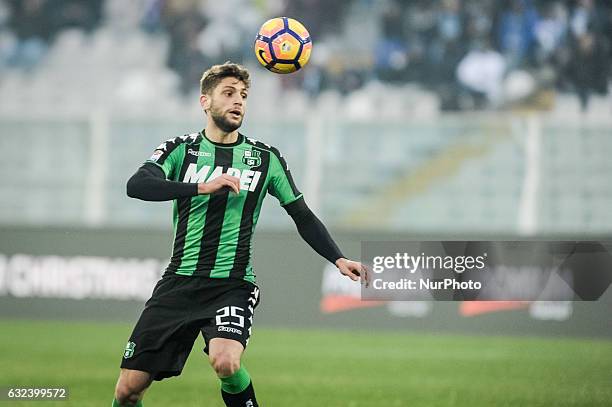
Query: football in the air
(283, 45)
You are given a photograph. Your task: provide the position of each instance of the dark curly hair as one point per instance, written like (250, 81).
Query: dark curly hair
(212, 76)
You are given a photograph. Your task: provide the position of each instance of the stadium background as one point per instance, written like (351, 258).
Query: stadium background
(414, 120)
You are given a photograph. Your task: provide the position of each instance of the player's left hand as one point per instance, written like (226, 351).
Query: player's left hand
(354, 270)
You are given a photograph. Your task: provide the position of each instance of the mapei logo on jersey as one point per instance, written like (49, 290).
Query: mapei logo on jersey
(248, 178)
(251, 158)
(129, 350)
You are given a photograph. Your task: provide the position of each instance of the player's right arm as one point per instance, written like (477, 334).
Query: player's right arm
(154, 179)
(149, 183)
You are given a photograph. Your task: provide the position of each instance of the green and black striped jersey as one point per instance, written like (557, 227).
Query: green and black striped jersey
(213, 233)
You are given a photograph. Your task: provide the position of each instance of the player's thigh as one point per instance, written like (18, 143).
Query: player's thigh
(224, 346)
(232, 316)
(133, 381)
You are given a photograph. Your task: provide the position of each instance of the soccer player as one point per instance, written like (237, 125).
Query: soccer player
(218, 179)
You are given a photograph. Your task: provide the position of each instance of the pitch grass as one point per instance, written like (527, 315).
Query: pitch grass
(322, 368)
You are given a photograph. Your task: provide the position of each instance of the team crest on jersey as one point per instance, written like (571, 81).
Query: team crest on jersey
(251, 158)
(129, 350)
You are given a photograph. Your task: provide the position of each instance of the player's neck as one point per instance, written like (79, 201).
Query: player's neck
(215, 134)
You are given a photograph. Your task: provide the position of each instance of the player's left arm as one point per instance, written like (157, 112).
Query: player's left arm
(310, 228)
(314, 232)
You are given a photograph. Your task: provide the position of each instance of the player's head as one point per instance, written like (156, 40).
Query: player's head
(223, 92)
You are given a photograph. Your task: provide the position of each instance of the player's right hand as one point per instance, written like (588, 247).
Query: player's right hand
(216, 184)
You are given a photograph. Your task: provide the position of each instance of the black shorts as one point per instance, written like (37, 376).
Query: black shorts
(178, 310)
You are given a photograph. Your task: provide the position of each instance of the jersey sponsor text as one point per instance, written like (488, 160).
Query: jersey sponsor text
(248, 178)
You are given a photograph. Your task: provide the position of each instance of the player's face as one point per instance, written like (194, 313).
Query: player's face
(227, 104)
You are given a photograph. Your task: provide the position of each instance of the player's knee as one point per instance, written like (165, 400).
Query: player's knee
(225, 364)
(130, 387)
(126, 395)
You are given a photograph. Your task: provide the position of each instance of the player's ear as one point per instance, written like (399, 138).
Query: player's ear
(205, 102)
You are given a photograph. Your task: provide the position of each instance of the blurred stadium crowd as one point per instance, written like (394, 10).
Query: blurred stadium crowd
(467, 54)
(457, 46)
